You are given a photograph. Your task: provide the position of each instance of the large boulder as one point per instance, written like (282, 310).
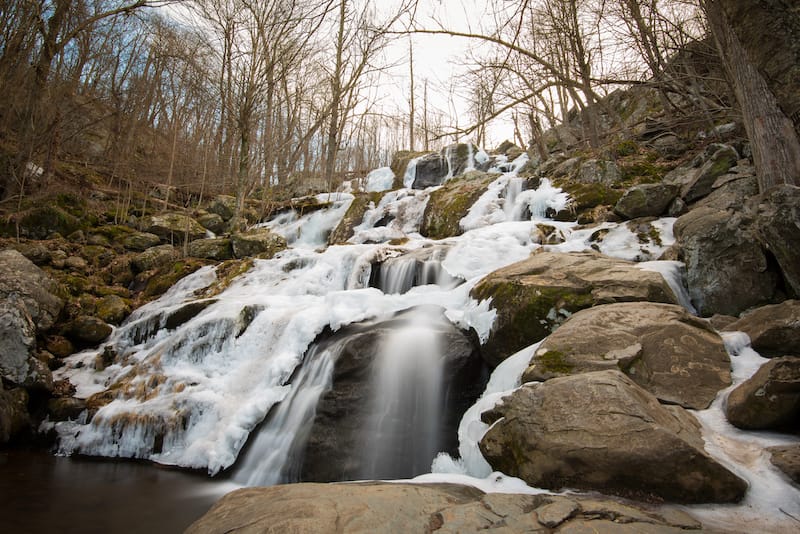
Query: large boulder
(450, 203)
(353, 217)
(154, 258)
(213, 222)
(224, 206)
(113, 309)
(727, 270)
(787, 459)
(45, 221)
(215, 248)
(17, 340)
(675, 356)
(446, 508)
(777, 221)
(536, 295)
(37, 291)
(429, 170)
(140, 241)
(698, 182)
(601, 432)
(770, 399)
(774, 330)
(87, 329)
(336, 448)
(645, 200)
(173, 227)
(261, 242)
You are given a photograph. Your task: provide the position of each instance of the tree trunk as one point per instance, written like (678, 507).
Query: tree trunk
(773, 139)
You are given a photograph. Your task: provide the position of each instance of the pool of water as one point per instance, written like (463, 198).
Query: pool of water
(44, 493)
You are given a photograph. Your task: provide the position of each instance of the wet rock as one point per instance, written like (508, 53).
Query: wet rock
(450, 203)
(774, 330)
(34, 287)
(86, 329)
(261, 242)
(217, 248)
(444, 508)
(675, 356)
(727, 271)
(600, 431)
(174, 227)
(59, 346)
(536, 295)
(431, 170)
(770, 399)
(354, 216)
(646, 200)
(65, 408)
(787, 459)
(14, 417)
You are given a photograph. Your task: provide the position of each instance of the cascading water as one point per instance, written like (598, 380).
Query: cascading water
(403, 434)
(511, 209)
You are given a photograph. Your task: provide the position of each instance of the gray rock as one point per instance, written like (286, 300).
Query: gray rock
(431, 170)
(442, 508)
(113, 309)
(261, 242)
(154, 257)
(36, 289)
(787, 459)
(646, 200)
(770, 399)
(778, 224)
(224, 206)
(600, 431)
(720, 159)
(727, 271)
(14, 417)
(17, 340)
(216, 248)
(670, 353)
(213, 222)
(174, 227)
(140, 241)
(87, 329)
(774, 330)
(732, 193)
(536, 295)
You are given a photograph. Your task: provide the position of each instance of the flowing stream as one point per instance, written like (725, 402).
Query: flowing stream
(203, 373)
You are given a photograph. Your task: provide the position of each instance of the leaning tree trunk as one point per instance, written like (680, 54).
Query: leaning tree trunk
(773, 139)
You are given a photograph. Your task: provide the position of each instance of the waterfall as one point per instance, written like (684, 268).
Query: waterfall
(512, 210)
(402, 436)
(398, 276)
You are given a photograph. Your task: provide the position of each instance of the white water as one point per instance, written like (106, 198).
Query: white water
(191, 394)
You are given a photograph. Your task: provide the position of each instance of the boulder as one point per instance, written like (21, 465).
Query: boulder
(14, 417)
(86, 329)
(354, 216)
(717, 160)
(777, 221)
(224, 206)
(770, 399)
(430, 170)
(113, 309)
(463, 157)
(335, 448)
(601, 432)
(727, 271)
(787, 459)
(215, 248)
(17, 340)
(65, 408)
(445, 508)
(536, 295)
(154, 258)
(731, 192)
(774, 330)
(399, 165)
(140, 241)
(44, 221)
(34, 287)
(450, 203)
(646, 200)
(213, 222)
(261, 242)
(36, 252)
(675, 356)
(173, 227)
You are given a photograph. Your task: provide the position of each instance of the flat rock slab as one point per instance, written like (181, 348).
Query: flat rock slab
(441, 508)
(675, 356)
(600, 431)
(534, 296)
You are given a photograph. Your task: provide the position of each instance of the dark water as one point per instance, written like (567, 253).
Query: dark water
(42, 493)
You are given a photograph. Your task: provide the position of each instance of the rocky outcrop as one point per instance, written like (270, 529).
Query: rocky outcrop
(787, 459)
(774, 330)
(261, 242)
(716, 161)
(646, 200)
(770, 399)
(600, 431)
(36, 290)
(670, 353)
(174, 227)
(727, 271)
(446, 508)
(450, 203)
(430, 170)
(777, 221)
(334, 450)
(534, 296)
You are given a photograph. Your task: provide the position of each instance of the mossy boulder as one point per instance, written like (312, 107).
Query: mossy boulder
(646, 200)
(261, 242)
(399, 164)
(534, 296)
(113, 309)
(354, 216)
(451, 202)
(174, 227)
(212, 222)
(140, 241)
(154, 257)
(164, 278)
(718, 160)
(44, 221)
(89, 330)
(217, 248)
(675, 356)
(224, 206)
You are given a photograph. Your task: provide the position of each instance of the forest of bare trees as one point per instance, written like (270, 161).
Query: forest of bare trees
(186, 99)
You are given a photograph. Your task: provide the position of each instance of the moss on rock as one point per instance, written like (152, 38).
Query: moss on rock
(450, 203)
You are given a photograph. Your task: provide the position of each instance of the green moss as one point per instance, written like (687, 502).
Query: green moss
(624, 148)
(554, 361)
(227, 272)
(449, 204)
(353, 217)
(587, 196)
(166, 278)
(641, 172)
